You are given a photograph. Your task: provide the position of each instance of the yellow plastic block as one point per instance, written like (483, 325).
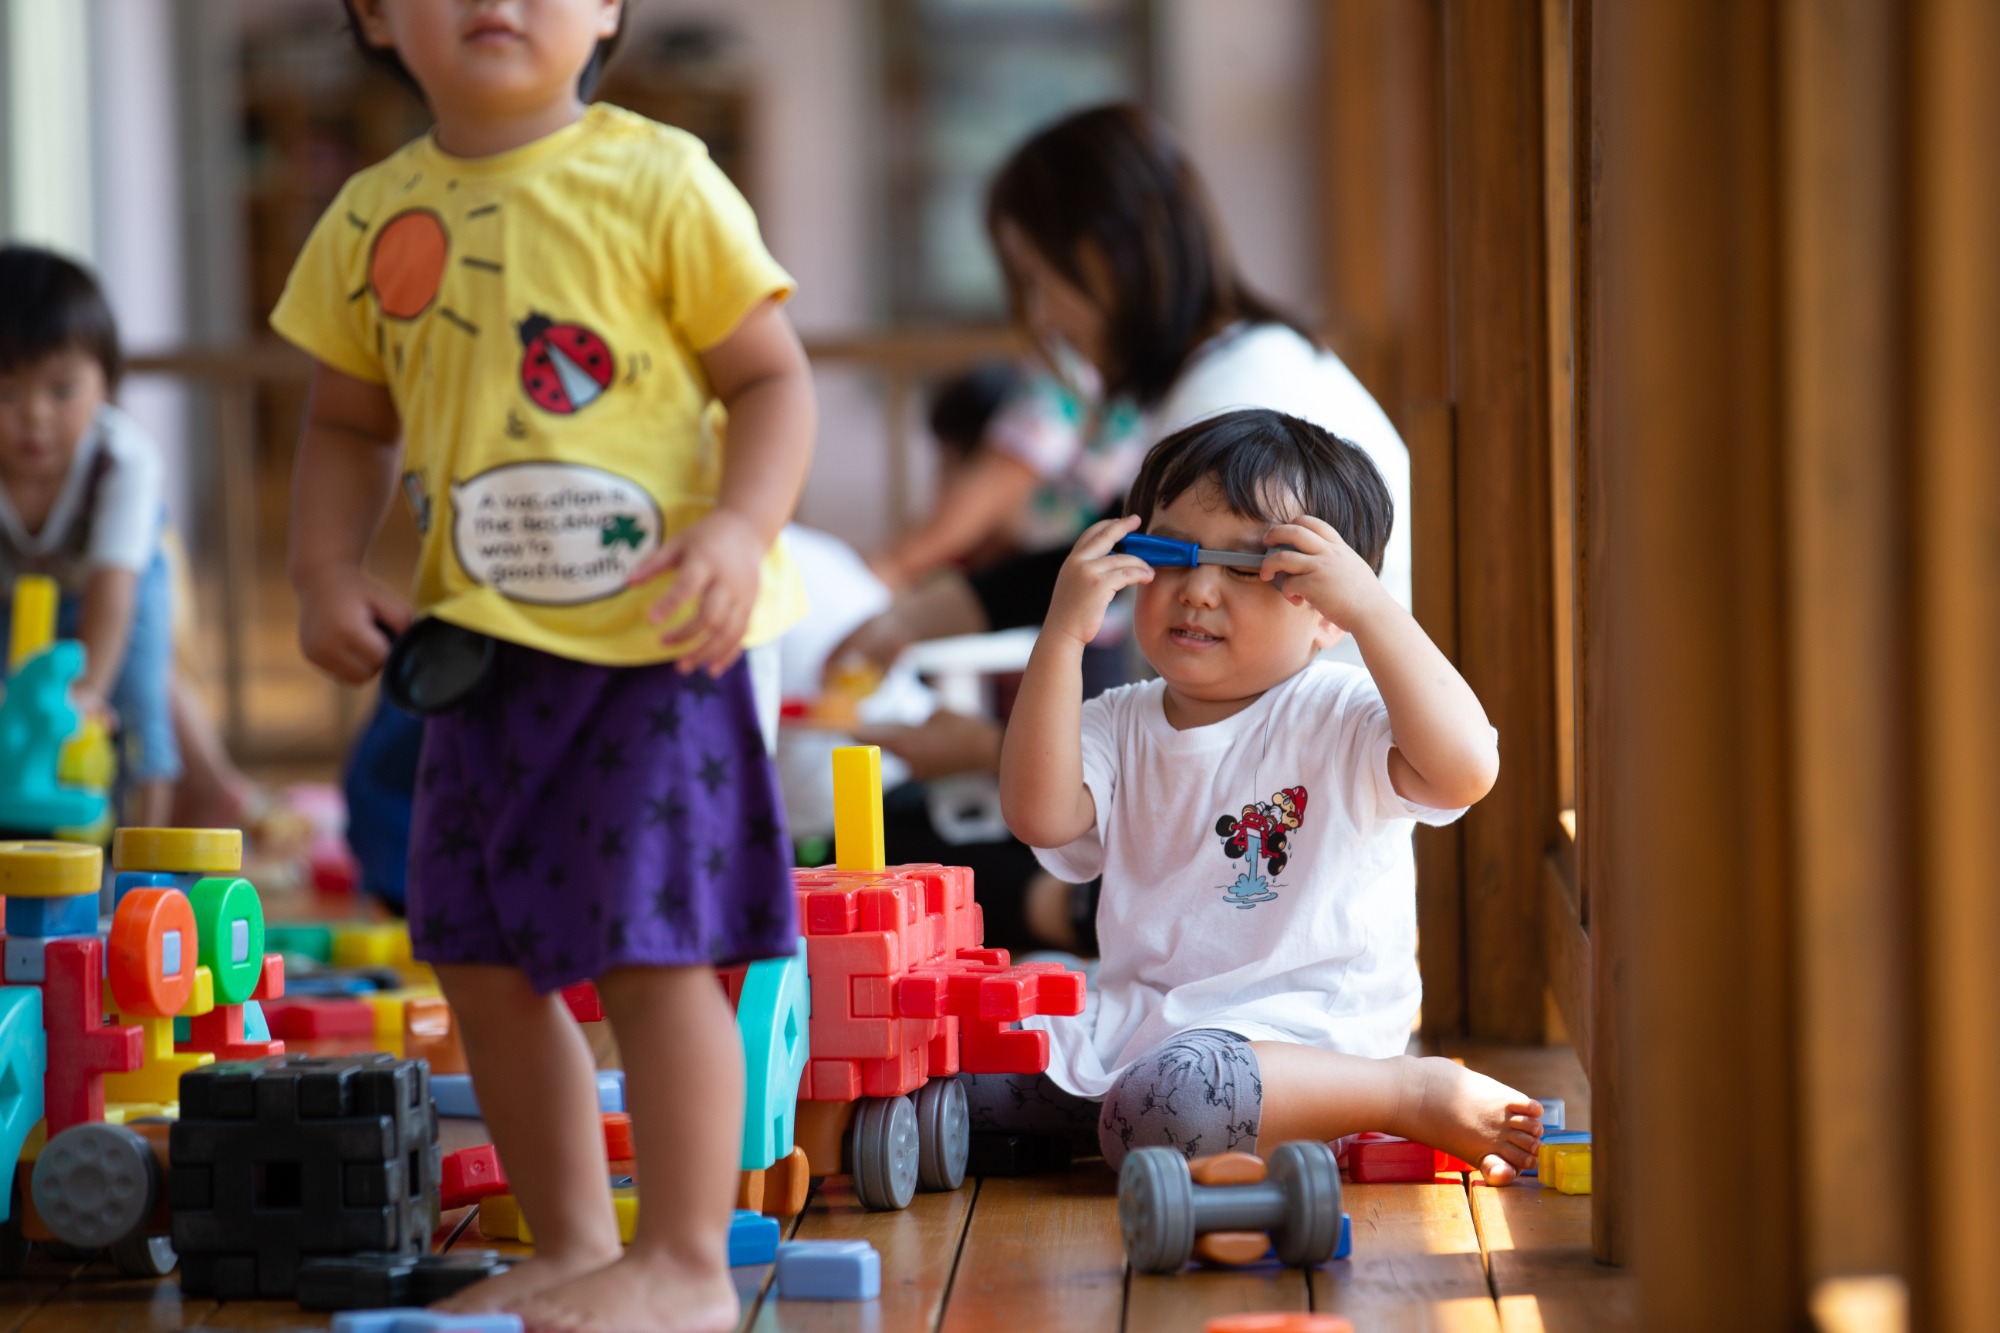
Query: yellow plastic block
(361, 945)
(35, 598)
(1564, 1167)
(179, 851)
(158, 1077)
(38, 1138)
(857, 808)
(87, 759)
(500, 1217)
(201, 998)
(388, 1006)
(49, 869)
(121, 1113)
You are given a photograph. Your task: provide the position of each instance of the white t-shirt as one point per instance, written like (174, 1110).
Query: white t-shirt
(107, 513)
(1316, 945)
(1270, 365)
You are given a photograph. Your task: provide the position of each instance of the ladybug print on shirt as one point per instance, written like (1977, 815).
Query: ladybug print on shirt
(1261, 836)
(564, 367)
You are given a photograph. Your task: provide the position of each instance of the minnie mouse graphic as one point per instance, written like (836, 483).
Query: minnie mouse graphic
(1261, 832)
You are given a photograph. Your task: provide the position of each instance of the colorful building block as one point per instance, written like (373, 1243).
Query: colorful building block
(24, 963)
(1384, 1159)
(46, 918)
(857, 808)
(423, 1321)
(153, 976)
(471, 1174)
(773, 1018)
(456, 1100)
(296, 1019)
(430, 1033)
(753, 1238)
(374, 1281)
(1564, 1167)
(23, 1066)
(307, 942)
(124, 881)
(49, 869)
(829, 1270)
(584, 1003)
(179, 851)
(81, 1048)
(385, 944)
(500, 1217)
(1287, 1321)
(36, 721)
(1554, 1113)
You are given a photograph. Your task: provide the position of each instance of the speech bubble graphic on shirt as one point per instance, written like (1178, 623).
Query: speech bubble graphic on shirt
(555, 534)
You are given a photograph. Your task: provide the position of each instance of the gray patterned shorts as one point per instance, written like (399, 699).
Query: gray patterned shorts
(1199, 1092)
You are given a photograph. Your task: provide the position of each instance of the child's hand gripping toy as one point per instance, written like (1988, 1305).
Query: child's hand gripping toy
(1166, 553)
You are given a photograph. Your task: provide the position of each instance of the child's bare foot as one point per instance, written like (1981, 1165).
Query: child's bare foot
(641, 1293)
(1473, 1117)
(522, 1281)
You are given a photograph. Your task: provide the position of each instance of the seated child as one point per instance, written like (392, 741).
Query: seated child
(81, 502)
(1250, 812)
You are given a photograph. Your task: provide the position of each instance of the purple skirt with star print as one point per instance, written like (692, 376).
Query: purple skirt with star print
(573, 818)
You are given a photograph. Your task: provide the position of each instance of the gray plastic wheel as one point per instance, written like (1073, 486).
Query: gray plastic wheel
(1156, 1210)
(1310, 1174)
(145, 1256)
(884, 1151)
(944, 1134)
(96, 1184)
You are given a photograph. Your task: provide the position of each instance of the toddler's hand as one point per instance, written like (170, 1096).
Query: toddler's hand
(1091, 577)
(1321, 570)
(343, 611)
(720, 559)
(89, 701)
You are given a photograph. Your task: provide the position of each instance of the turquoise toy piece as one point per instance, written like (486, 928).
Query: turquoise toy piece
(36, 720)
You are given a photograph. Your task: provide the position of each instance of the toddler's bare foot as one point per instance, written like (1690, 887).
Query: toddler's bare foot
(641, 1293)
(522, 1281)
(1473, 1117)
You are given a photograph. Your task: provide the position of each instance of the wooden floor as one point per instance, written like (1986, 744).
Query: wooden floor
(1043, 1254)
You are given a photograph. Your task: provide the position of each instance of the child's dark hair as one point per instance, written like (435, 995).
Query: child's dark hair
(966, 404)
(386, 57)
(1113, 176)
(49, 304)
(1266, 462)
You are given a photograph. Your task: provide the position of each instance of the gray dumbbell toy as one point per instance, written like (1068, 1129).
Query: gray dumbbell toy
(1162, 1211)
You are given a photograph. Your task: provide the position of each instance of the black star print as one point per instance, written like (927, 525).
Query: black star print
(437, 925)
(596, 913)
(713, 773)
(610, 756)
(665, 720)
(758, 920)
(612, 844)
(432, 772)
(543, 710)
(527, 941)
(479, 875)
(614, 936)
(512, 770)
(561, 961)
(518, 856)
(666, 810)
(455, 841)
(702, 686)
(764, 832)
(718, 860)
(673, 909)
(582, 822)
(558, 876)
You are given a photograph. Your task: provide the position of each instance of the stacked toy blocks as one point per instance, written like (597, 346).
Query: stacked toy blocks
(56, 764)
(296, 1156)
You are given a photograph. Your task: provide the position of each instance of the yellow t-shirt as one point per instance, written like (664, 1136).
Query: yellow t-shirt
(537, 317)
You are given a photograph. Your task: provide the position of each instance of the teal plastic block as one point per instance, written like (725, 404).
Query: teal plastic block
(314, 942)
(23, 1062)
(36, 719)
(255, 1026)
(772, 1017)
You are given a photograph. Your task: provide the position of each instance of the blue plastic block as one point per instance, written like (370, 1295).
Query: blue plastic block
(23, 1062)
(24, 963)
(46, 918)
(771, 1017)
(256, 1027)
(1559, 1136)
(1346, 1245)
(36, 720)
(829, 1270)
(125, 881)
(1552, 1113)
(456, 1101)
(330, 985)
(423, 1321)
(753, 1238)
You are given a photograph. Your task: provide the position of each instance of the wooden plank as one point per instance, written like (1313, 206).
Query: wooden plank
(40, 1280)
(1957, 284)
(1567, 945)
(919, 1247)
(1500, 392)
(1537, 1245)
(1190, 1299)
(98, 1297)
(248, 1316)
(1041, 1252)
(1416, 1263)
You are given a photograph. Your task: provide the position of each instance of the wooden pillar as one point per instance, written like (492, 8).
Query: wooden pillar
(1697, 780)
(1499, 379)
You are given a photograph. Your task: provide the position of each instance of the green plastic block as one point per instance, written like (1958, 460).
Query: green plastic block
(229, 917)
(772, 1018)
(314, 942)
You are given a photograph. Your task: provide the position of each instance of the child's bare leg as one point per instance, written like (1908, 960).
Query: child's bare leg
(684, 1089)
(538, 1094)
(1311, 1093)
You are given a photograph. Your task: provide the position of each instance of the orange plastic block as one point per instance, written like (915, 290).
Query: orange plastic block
(1231, 1249)
(153, 953)
(617, 1136)
(786, 1183)
(1227, 1168)
(430, 1032)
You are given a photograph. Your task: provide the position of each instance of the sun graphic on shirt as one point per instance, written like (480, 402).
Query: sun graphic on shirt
(565, 366)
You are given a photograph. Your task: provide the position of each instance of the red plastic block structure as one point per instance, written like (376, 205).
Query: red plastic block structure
(82, 1049)
(902, 992)
(314, 1019)
(1384, 1159)
(220, 1030)
(585, 1005)
(471, 1174)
